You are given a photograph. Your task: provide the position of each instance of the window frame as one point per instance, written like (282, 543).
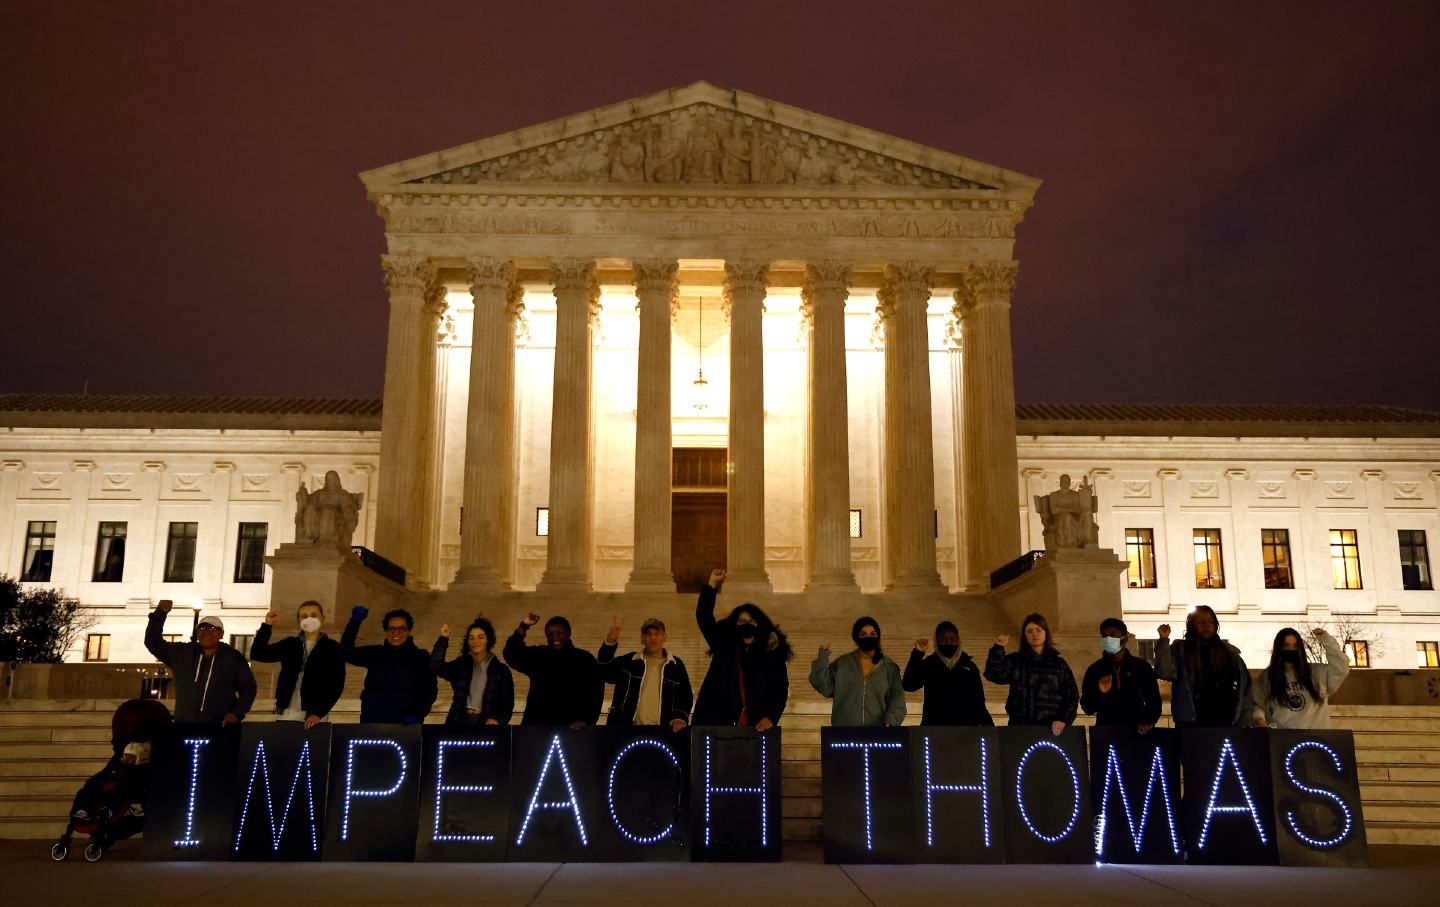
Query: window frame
(1427, 653)
(172, 575)
(240, 575)
(1271, 549)
(39, 542)
(857, 523)
(1214, 566)
(1357, 652)
(99, 641)
(1143, 556)
(1348, 554)
(1419, 554)
(104, 546)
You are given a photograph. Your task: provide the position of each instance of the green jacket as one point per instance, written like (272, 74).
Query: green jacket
(859, 701)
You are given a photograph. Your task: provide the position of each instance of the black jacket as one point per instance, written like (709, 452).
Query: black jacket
(498, 700)
(953, 696)
(767, 677)
(324, 670)
(565, 685)
(205, 690)
(627, 672)
(1042, 686)
(1134, 697)
(398, 682)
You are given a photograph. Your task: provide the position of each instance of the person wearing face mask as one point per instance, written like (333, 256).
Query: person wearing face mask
(863, 686)
(1292, 692)
(484, 688)
(954, 695)
(1210, 683)
(748, 681)
(1042, 686)
(652, 686)
(1120, 689)
(312, 672)
(565, 684)
(399, 688)
(213, 682)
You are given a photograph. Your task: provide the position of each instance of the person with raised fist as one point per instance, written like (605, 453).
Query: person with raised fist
(748, 681)
(213, 682)
(312, 671)
(399, 688)
(565, 685)
(484, 688)
(1042, 686)
(652, 686)
(863, 685)
(1292, 692)
(1210, 685)
(954, 694)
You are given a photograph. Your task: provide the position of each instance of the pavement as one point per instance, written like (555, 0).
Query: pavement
(1398, 875)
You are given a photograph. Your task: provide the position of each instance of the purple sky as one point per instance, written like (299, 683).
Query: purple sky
(1240, 199)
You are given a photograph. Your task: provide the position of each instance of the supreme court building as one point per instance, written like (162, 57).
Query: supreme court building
(702, 329)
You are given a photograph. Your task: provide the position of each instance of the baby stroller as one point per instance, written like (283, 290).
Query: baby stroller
(110, 806)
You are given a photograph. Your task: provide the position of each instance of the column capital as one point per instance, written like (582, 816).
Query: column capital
(577, 275)
(745, 278)
(496, 276)
(1303, 474)
(986, 283)
(825, 282)
(904, 283)
(656, 275)
(410, 276)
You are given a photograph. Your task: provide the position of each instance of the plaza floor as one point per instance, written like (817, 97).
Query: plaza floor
(1399, 875)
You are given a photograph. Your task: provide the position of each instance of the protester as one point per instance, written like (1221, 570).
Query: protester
(565, 685)
(1293, 693)
(863, 685)
(399, 688)
(213, 682)
(1120, 689)
(312, 671)
(747, 683)
(1210, 683)
(1042, 686)
(484, 687)
(652, 686)
(954, 694)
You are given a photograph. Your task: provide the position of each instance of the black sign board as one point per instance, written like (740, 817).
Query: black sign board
(735, 794)
(955, 773)
(1047, 796)
(1135, 787)
(284, 776)
(190, 808)
(373, 811)
(1318, 817)
(865, 779)
(645, 789)
(1227, 802)
(464, 794)
(555, 803)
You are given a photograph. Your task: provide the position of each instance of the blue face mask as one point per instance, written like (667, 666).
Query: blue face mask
(1111, 644)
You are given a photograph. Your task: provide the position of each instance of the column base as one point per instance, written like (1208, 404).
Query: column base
(916, 581)
(650, 581)
(833, 581)
(750, 585)
(564, 580)
(479, 579)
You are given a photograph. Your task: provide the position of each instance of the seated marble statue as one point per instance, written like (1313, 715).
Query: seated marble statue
(1068, 516)
(328, 515)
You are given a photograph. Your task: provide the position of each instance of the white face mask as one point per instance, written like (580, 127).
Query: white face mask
(310, 624)
(1111, 644)
(141, 752)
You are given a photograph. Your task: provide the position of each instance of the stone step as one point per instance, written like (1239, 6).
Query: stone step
(1384, 723)
(44, 786)
(97, 751)
(56, 735)
(800, 829)
(56, 808)
(1399, 771)
(33, 827)
(57, 767)
(1402, 810)
(1417, 792)
(31, 719)
(1413, 833)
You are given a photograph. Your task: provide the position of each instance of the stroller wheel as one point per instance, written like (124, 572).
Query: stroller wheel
(59, 851)
(93, 852)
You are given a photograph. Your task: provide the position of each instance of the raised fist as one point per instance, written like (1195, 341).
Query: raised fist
(359, 613)
(922, 645)
(1164, 631)
(824, 647)
(717, 578)
(530, 620)
(445, 631)
(271, 617)
(1319, 632)
(165, 605)
(1002, 640)
(612, 635)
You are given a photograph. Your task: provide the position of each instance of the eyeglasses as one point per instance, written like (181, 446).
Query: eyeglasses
(400, 629)
(208, 628)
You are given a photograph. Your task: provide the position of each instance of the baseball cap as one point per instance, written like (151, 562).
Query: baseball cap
(655, 622)
(212, 620)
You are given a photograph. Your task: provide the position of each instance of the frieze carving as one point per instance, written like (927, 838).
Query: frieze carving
(1136, 488)
(1271, 488)
(1340, 490)
(700, 145)
(1206, 488)
(1407, 491)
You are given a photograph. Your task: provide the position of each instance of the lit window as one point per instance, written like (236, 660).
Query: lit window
(1345, 558)
(1209, 569)
(180, 553)
(855, 523)
(39, 551)
(97, 647)
(542, 521)
(250, 552)
(1357, 652)
(109, 553)
(174, 637)
(1414, 560)
(1140, 552)
(241, 642)
(1275, 550)
(1427, 654)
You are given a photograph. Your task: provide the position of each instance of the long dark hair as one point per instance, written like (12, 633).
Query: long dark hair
(1275, 674)
(1219, 651)
(855, 635)
(765, 630)
(1038, 620)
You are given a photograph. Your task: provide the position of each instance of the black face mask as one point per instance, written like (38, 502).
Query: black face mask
(1290, 656)
(868, 643)
(748, 632)
(947, 651)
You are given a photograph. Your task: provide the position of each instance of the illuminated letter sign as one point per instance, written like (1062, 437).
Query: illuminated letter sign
(865, 778)
(1140, 773)
(736, 792)
(645, 775)
(464, 793)
(1227, 803)
(554, 794)
(1047, 799)
(268, 783)
(191, 804)
(1317, 799)
(957, 795)
(374, 784)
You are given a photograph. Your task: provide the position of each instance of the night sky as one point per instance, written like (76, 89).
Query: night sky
(1240, 200)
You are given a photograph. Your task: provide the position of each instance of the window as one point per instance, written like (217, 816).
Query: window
(250, 552)
(1209, 570)
(39, 551)
(542, 521)
(1146, 649)
(855, 523)
(1357, 652)
(180, 553)
(242, 642)
(1427, 654)
(1140, 552)
(174, 637)
(1275, 550)
(1345, 558)
(1414, 560)
(109, 553)
(97, 647)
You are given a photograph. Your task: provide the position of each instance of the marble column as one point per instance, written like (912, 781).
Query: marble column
(992, 516)
(745, 285)
(577, 303)
(657, 290)
(909, 443)
(413, 285)
(489, 426)
(823, 300)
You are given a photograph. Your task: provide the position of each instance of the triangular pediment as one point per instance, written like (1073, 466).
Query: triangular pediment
(698, 136)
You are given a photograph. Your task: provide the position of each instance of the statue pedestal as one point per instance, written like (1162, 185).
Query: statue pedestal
(333, 577)
(1075, 588)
